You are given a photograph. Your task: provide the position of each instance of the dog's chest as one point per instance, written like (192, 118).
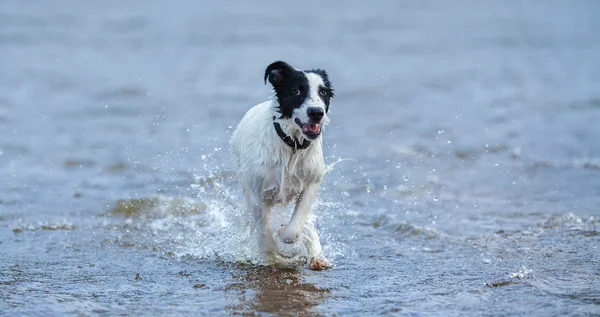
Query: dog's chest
(294, 174)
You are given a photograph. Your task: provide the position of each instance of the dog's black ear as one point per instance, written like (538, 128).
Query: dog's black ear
(276, 72)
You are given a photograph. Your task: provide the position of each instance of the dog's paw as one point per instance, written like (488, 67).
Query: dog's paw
(318, 263)
(284, 238)
(286, 249)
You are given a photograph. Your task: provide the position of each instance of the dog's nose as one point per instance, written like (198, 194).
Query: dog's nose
(315, 113)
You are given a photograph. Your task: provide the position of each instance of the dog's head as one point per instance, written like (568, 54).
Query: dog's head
(303, 96)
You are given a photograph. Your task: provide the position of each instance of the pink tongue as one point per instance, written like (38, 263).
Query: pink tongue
(313, 127)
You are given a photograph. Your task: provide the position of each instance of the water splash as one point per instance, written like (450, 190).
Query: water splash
(329, 167)
(213, 226)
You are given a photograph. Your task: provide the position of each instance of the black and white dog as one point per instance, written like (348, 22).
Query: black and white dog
(278, 148)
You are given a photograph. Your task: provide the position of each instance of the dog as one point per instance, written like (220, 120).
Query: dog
(279, 155)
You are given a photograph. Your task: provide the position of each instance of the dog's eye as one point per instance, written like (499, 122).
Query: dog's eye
(296, 92)
(323, 92)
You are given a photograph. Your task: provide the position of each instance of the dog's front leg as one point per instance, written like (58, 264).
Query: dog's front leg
(261, 210)
(315, 260)
(291, 232)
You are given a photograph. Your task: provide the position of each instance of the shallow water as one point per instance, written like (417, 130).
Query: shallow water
(472, 185)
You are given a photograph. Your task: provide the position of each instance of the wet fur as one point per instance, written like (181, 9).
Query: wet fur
(268, 169)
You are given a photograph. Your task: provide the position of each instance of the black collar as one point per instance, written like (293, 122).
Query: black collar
(293, 143)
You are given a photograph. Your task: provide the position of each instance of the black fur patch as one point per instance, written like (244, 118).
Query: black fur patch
(292, 88)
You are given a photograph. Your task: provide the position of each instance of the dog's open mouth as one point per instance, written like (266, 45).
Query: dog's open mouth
(311, 130)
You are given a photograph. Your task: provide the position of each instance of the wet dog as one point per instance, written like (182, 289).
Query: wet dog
(279, 155)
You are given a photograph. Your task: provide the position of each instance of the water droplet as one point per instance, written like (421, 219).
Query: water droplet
(436, 198)
(496, 163)
(405, 178)
(384, 187)
(368, 189)
(449, 141)
(398, 165)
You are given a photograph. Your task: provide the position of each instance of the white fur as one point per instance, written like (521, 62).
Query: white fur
(265, 163)
(314, 82)
(271, 173)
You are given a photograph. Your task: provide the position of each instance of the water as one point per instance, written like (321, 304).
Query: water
(472, 185)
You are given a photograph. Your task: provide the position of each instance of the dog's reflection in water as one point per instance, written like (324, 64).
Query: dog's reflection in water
(279, 291)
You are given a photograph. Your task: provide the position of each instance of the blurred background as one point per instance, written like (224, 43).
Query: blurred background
(471, 128)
